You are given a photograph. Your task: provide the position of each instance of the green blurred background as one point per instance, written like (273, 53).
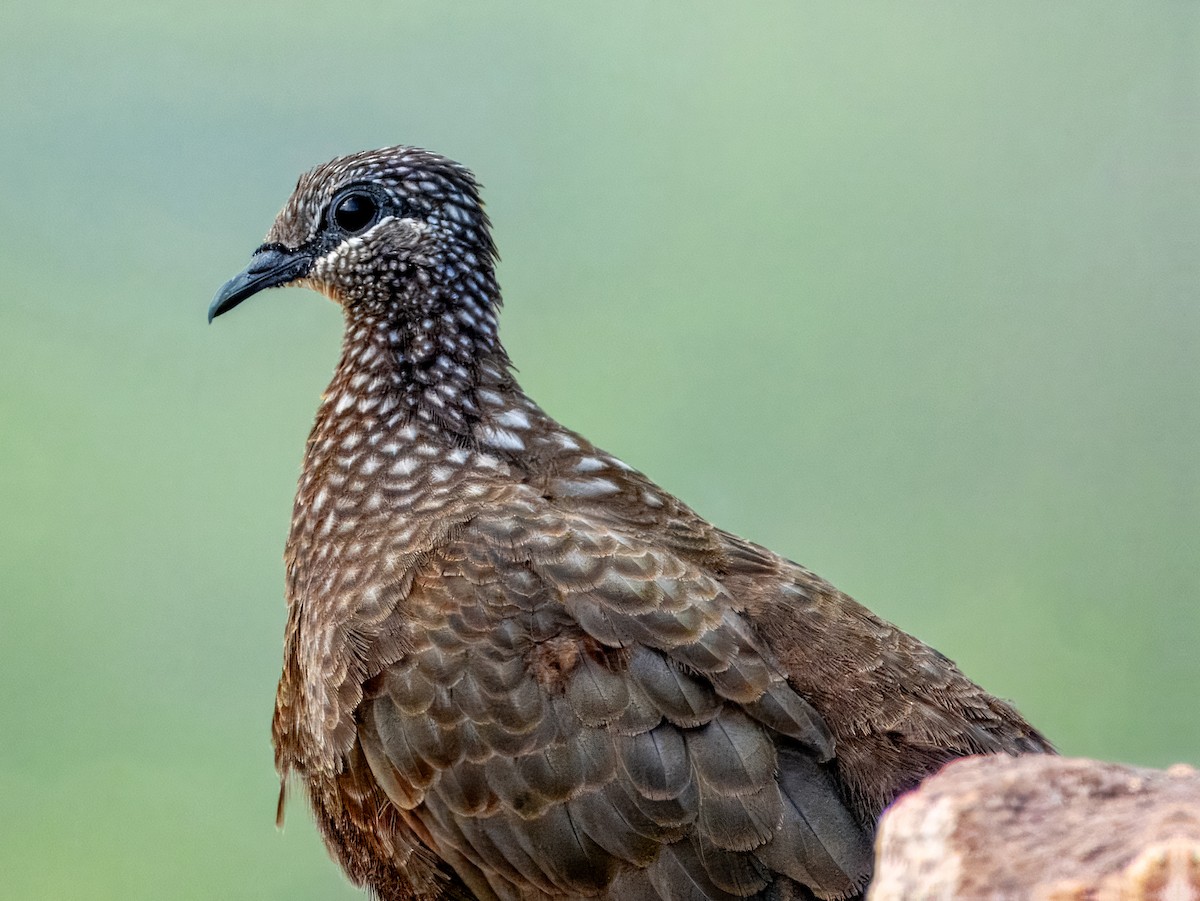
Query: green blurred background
(906, 292)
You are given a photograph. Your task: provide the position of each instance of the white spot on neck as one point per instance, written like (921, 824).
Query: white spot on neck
(501, 438)
(514, 419)
(587, 487)
(404, 466)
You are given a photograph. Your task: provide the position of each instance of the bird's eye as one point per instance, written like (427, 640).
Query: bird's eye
(355, 212)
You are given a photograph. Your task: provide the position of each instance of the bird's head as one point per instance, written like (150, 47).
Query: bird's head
(400, 231)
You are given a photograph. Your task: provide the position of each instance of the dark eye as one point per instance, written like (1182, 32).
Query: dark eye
(355, 212)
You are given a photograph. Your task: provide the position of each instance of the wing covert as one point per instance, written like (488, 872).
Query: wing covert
(583, 712)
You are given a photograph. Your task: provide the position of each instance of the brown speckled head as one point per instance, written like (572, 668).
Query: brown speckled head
(374, 226)
(400, 210)
(399, 238)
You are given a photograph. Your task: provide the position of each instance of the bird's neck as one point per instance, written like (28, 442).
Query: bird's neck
(437, 371)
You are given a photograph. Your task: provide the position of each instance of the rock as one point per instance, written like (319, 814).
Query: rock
(1044, 828)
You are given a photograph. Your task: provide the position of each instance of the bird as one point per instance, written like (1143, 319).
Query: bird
(517, 668)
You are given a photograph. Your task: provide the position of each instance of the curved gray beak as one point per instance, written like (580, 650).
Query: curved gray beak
(270, 267)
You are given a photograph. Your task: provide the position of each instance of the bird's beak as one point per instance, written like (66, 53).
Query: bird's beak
(270, 267)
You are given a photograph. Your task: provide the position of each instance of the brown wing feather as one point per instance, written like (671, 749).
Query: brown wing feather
(582, 706)
(898, 709)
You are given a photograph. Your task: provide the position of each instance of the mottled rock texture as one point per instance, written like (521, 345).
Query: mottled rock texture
(1045, 828)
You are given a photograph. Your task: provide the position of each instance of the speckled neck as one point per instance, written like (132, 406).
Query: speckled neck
(423, 353)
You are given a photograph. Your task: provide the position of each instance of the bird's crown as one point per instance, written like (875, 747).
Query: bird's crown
(347, 196)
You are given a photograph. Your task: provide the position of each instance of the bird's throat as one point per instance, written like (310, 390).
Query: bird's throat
(421, 359)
